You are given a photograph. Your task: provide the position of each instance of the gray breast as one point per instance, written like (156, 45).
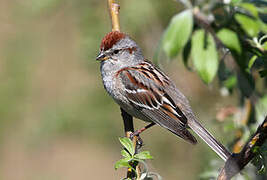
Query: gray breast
(115, 90)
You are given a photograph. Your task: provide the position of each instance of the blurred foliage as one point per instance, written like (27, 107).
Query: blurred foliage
(205, 58)
(178, 33)
(235, 31)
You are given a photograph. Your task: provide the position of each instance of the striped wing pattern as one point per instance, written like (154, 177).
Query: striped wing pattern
(144, 87)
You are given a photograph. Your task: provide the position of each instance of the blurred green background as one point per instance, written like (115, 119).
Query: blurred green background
(56, 120)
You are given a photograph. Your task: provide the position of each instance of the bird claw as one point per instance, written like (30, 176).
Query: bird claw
(139, 141)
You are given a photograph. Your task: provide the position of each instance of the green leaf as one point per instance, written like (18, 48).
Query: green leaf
(251, 61)
(128, 144)
(125, 153)
(263, 26)
(143, 155)
(250, 8)
(177, 33)
(204, 55)
(122, 163)
(230, 82)
(264, 46)
(229, 39)
(249, 25)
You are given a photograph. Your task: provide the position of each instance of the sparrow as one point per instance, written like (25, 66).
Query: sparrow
(145, 92)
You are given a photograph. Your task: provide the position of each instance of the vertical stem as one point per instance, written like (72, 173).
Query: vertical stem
(129, 129)
(114, 14)
(127, 119)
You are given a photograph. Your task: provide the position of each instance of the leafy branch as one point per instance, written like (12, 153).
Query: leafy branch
(131, 157)
(236, 31)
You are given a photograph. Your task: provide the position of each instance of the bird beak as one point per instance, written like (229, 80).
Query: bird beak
(101, 57)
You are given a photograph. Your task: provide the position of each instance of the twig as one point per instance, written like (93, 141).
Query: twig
(114, 14)
(127, 119)
(203, 22)
(237, 162)
(129, 129)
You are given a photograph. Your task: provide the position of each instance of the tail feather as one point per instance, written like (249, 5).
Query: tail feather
(184, 134)
(209, 139)
(188, 137)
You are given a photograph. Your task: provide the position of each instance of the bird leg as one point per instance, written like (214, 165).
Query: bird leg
(138, 132)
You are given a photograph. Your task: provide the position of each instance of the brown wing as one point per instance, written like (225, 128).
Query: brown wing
(145, 88)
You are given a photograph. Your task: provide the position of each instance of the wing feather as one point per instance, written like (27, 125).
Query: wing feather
(144, 87)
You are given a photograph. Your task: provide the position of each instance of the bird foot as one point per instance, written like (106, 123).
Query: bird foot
(139, 141)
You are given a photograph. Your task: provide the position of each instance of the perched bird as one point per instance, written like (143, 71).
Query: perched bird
(145, 92)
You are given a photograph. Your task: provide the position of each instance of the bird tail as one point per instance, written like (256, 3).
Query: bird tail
(209, 139)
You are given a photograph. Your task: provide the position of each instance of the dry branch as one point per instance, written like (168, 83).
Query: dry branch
(114, 14)
(236, 162)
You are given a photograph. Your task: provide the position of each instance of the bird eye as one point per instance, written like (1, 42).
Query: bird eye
(116, 51)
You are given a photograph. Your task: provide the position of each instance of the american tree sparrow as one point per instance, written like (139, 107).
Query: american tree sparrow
(145, 92)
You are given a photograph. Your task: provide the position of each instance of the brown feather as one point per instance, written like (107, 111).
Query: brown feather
(110, 39)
